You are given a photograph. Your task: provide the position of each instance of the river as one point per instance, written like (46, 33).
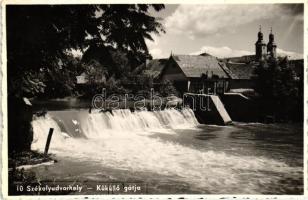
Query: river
(169, 152)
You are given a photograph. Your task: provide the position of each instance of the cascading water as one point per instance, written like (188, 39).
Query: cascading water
(125, 140)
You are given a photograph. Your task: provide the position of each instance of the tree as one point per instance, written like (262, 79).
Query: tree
(114, 60)
(167, 89)
(60, 80)
(38, 36)
(277, 85)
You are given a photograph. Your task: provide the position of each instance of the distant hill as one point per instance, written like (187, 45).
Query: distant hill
(241, 59)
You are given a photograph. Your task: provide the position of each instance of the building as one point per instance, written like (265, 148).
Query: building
(242, 68)
(241, 76)
(260, 47)
(271, 46)
(196, 73)
(94, 78)
(188, 73)
(263, 50)
(151, 68)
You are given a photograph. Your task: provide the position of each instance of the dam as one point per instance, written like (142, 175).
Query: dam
(170, 152)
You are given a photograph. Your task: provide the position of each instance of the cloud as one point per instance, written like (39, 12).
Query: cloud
(227, 52)
(156, 53)
(291, 55)
(154, 47)
(222, 52)
(202, 20)
(152, 43)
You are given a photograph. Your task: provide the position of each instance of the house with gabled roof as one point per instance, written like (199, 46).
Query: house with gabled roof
(151, 68)
(196, 73)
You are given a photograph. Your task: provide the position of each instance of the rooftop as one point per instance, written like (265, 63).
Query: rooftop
(196, 65)
(152, 68)
(241, 70)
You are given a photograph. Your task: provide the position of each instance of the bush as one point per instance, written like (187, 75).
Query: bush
(167, 89)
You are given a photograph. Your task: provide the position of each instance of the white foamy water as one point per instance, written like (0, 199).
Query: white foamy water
(124, 140)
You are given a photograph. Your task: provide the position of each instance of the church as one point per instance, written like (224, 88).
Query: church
(241, 69)
(262, 50)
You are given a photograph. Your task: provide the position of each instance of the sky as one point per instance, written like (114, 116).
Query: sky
(227, 30)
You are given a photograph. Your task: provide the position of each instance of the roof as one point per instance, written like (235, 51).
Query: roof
(84, 78)
(241, 70)
(228, 71)
(152, 68)
(195, 66)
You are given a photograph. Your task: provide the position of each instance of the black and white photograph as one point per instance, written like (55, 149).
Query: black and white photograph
(153, 99)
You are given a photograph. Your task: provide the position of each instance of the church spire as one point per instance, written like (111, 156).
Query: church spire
(271, 45)
(271, 36)
(260, 46)
(260, 34)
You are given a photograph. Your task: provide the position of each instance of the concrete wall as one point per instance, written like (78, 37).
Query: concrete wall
(241, 83)
(208, 109)
(241, 108)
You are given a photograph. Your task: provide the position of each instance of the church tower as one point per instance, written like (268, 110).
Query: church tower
(260, 47)
(271, 46)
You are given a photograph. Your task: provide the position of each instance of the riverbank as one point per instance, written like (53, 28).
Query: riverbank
(19, 170)
(25, 158)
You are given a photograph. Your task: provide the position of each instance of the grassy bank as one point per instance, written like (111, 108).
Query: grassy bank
(21, 176)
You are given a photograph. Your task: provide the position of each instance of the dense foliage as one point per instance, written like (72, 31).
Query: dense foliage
(38, 36)
(279, 89)
(40, 42)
